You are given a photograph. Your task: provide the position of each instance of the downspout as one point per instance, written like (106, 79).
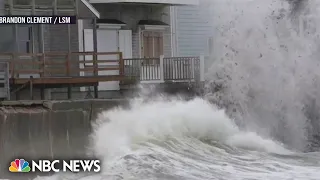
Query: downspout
(173, 26)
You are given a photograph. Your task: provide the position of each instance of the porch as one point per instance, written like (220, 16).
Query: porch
(103, 69)
(138, 30)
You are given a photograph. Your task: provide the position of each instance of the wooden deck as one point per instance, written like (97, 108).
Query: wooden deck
(67, 80)
(83, 69)
(58, 82)
(63, 68)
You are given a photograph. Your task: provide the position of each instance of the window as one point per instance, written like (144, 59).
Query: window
(152, 44)
(66, 2)
(25, 39)
(21, 2)
(7, 41)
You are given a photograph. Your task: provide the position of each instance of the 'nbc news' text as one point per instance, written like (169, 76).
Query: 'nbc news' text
(66, 166)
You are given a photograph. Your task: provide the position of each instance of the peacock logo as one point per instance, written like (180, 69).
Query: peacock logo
(19, 165)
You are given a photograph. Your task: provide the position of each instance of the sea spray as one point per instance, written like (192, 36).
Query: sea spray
(265, 66)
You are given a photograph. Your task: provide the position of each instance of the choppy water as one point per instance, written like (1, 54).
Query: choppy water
(264, 74)
(189, 140)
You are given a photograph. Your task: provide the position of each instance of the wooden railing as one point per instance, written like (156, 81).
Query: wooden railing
(60, 64)
(144, 69)
(163, 68)
(103, 66)
(180, 68)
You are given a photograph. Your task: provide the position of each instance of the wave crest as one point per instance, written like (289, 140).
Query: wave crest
(120, 131)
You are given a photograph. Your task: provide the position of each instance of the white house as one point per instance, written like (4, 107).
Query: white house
(137, 28)
(140, 29)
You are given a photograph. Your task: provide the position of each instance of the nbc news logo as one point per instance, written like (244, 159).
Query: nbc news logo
(21, 165)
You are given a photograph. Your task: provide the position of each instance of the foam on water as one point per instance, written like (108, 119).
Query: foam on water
(175, 119)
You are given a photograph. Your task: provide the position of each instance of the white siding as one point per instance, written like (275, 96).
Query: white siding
(167, 2)
(135, 45)
(193, 30)
(2, 7)
(131, 14)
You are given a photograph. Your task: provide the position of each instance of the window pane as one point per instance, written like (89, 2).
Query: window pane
(158, 44)
(36, 40)
(153, 44)
(150, 45)
(21, 2)
(7, 41)
(44, 2)
(24, 33)
(161, 52)
(65, 2)
(24, 47)
(147, 44)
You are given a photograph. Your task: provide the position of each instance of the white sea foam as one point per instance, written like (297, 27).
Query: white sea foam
(119, 130)
(175, 135)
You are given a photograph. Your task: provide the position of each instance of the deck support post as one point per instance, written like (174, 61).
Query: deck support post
(95, 58)
(68, 62)
(69, 92)
(42, 66)
(31, 87)
(42, 93)
(162, 68)
(17, 95)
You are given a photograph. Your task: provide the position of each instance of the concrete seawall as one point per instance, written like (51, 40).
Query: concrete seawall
(47, 129)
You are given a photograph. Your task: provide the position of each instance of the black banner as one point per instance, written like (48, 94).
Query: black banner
(38, 20)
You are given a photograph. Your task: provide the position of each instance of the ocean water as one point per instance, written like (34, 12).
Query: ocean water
(259, 119)
(177, 139)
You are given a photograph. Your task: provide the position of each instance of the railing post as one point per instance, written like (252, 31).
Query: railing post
(41, 65)
(68, 64)
(121, 66)
(192, 70)
(95, 56)
(68, 73)
(162, 68)
(201, 68)
(13, 68)
(42, 68)
(31, 87)
(8, 81)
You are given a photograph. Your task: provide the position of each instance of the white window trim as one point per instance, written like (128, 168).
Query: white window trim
(173, 34)
(153, 27)
(110, 26)
(143, 28)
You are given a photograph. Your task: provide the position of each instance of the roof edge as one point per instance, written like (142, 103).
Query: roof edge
(91, 8)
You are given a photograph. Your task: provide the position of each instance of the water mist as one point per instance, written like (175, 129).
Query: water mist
(266, 67)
